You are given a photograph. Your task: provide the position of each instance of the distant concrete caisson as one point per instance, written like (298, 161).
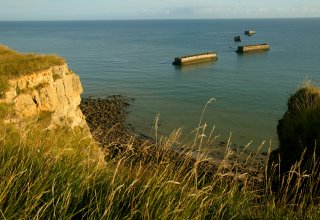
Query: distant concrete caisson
(253, 48)
(250, 33)
(237, 39)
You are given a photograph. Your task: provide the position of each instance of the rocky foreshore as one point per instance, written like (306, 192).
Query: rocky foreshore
(106, 118)
(104, 115)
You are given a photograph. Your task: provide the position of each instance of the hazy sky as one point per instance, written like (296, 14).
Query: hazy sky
(155, 9)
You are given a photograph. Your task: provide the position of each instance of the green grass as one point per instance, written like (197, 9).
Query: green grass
(55, 175)
(14, 64)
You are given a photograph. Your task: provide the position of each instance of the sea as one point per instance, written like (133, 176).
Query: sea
(240, 98)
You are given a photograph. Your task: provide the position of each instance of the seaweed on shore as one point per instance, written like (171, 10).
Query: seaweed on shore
(106, 114)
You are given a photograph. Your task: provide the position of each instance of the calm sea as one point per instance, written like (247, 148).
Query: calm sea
(133, 58)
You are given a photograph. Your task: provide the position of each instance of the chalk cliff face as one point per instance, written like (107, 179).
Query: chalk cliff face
(55, 91)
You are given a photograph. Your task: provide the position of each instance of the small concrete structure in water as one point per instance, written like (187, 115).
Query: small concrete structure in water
(250, 33)
(237, 39)
(195, 58)
(253, 48)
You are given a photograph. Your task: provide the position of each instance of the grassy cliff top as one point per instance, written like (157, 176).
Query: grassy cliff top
(14, 64)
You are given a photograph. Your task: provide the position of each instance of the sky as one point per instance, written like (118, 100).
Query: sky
(155, 9)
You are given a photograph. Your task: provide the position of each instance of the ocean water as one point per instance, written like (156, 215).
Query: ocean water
(133, 58)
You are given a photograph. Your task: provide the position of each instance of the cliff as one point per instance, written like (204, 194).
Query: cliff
(33, 85)
(40, 97)
(55, 91)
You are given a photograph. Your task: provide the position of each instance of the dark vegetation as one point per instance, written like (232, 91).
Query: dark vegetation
(299, 135)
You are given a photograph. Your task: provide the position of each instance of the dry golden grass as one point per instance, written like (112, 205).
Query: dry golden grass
(54, 175)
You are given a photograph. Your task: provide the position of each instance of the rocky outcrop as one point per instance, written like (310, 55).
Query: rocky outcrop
(299, 132)
(54, 91)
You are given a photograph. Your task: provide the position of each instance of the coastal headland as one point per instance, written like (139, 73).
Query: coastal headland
(67, 158)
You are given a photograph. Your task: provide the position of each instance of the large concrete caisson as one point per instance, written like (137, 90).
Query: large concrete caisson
(195, 58)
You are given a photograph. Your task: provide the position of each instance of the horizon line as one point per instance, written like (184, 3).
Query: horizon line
(154, 19)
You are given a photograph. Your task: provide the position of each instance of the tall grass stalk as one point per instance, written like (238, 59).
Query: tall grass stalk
(201, 126)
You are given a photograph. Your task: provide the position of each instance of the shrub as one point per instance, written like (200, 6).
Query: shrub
(299, 128)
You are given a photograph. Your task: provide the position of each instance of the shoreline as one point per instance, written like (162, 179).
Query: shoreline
(107, 116)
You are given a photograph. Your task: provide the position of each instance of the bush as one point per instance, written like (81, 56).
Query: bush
(299, 128)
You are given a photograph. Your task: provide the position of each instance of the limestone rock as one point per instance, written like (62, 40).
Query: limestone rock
(55, 90)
